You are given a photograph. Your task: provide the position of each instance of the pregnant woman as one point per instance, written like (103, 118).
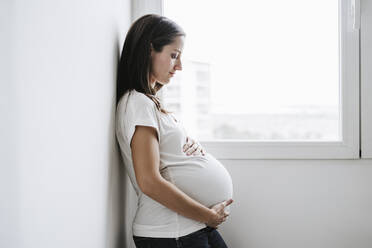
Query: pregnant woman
(183, 192)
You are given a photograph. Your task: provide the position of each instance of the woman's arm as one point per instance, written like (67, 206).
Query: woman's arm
(146, 161)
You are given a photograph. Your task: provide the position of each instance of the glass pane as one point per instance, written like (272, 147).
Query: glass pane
(257, 70)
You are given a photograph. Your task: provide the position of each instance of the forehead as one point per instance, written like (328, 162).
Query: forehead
(176, 44)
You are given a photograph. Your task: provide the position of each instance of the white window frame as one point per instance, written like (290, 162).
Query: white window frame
(349, 147)
(366, 80)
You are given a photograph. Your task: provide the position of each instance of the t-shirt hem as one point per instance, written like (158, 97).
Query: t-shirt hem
(138, 230)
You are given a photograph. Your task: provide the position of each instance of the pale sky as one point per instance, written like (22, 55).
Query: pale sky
(263, 54)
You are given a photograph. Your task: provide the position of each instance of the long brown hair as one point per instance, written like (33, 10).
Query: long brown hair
(135, 61)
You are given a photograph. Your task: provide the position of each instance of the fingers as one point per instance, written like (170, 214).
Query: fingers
(193, 147)
(223, 220)
(220, 207)
(228, 202)
(189, 142)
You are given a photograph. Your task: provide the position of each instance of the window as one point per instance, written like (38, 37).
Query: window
(277, 79)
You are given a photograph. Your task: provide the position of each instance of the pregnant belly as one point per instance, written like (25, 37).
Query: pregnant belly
(203, 178)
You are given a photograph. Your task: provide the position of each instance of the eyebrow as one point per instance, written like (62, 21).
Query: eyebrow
(177, 50)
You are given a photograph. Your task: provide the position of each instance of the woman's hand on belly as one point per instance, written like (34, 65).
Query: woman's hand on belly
(192, 147)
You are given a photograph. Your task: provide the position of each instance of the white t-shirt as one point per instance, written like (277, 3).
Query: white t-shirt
(203, 178)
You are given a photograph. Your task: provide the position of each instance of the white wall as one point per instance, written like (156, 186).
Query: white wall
(61, 184)
(294, 203)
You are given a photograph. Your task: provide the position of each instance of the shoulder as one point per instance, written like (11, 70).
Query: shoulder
(137, 105)
(139, 98)
(134, 99)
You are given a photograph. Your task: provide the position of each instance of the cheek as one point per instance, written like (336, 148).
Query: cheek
(165, 62)
(161, 65)
(156, 66)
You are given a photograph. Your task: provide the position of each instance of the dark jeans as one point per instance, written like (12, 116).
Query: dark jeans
(207, 237)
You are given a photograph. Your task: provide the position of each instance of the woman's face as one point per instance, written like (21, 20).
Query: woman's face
(166, 62)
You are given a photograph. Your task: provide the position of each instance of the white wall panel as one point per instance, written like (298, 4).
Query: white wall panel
(61, 182)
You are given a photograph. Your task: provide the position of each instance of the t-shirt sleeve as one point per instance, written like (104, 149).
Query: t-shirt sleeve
(141, 112)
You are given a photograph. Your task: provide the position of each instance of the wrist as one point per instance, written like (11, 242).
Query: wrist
(209, 215)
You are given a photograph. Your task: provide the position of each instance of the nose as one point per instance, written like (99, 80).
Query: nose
(178, 65)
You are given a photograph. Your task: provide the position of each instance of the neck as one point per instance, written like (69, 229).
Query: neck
(152, 82)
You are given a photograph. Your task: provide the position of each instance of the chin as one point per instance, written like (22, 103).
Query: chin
(164, 82)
